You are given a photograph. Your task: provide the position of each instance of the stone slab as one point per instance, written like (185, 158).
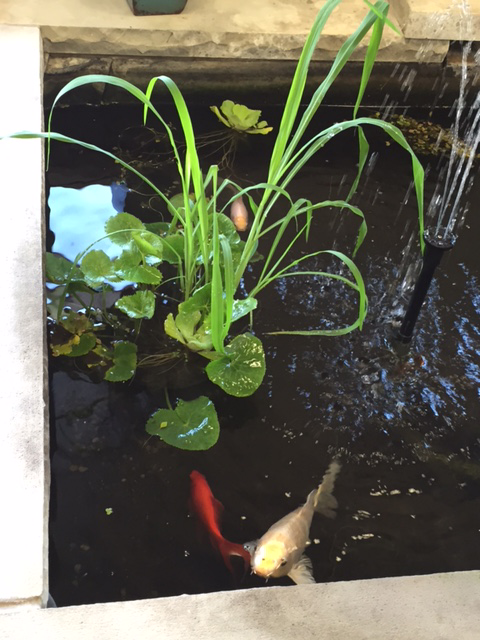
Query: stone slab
(271, 29)
(439, 19)
(24, 474)
(435, 607)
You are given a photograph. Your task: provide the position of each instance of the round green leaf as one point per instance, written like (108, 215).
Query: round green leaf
(193, 425)
(142, 274)
(139, 305)
(118, 223)
(96, 266)
(59, 270)
(124, 362)
(128, 259)
(240, 371)
(86, 344)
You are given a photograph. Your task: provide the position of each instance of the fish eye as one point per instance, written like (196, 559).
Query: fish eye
(283, 563)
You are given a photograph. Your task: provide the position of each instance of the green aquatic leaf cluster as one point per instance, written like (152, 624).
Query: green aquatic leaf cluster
(209, 257)
(241, 118)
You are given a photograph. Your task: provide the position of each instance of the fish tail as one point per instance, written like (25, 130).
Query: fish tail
(228, 549)
(324, 501)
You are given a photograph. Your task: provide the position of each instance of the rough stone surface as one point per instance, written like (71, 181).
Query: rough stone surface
(439, 19)
(271, 29)
(24, 479)
(443, 606)
(210, 79)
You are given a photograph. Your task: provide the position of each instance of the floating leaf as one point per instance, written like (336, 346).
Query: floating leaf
(128, 259)
(148, 243)
(124, 362)
(143, 274)
(120, 222)
(96, 266)
(241, 118)
(240, 371)
(177, 203)
(139, 305)
(59, 270)
(85, 344)
(76, 323)
(173, 248)
(65, 348)
(242, 307)
(193, 425)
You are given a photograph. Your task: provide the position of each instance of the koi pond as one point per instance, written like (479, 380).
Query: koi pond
(401, 419)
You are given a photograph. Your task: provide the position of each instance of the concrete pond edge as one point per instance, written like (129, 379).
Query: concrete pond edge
(435, 606)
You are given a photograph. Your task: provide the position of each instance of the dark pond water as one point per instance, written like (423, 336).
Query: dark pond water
(403, 420)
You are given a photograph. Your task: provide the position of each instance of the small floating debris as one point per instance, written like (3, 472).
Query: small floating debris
(108, 511)
(428, 138)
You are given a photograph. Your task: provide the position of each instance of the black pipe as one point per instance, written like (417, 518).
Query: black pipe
(436, 243)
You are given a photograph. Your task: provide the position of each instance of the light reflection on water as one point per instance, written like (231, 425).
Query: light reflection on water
(78, 218)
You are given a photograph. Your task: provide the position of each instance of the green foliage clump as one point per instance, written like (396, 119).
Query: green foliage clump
(207, 253)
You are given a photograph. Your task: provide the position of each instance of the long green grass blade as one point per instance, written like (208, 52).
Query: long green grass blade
(296, 89)
(358, 286)
(341, 59)
(58, 137)
(192, 163)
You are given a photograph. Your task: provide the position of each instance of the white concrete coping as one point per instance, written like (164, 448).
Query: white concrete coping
(439, 19)
(436, 607)
(427, 607)
(24, 473)
(249, 29)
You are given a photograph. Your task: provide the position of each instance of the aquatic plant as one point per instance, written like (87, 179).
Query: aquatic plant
(200, 241)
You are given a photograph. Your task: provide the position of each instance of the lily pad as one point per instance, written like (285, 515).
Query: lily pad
(86, 343)
(139, 305)
(128, 259)
(75, 322)
(143, 274)
(116, 224)
(240, 371)
(124, 362)
(242, 307)
(192, 426)
(59, 270)
(96, 266)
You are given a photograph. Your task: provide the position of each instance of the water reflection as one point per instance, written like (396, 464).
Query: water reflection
(78, 218)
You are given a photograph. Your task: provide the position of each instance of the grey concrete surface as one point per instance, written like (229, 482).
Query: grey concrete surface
(438, 19)
(24, 474)
(270, 29)
(436, 607)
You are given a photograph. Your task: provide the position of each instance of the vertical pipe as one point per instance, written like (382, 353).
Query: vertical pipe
(436, 243)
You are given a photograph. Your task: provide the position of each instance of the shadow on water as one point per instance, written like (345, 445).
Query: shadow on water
(403, 421)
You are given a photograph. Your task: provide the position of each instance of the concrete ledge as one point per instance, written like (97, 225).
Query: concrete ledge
(271, 29)
(24, 473)
(439, 19)
(427, 607)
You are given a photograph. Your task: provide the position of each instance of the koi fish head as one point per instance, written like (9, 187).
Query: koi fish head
(239, 214)
(269, 558)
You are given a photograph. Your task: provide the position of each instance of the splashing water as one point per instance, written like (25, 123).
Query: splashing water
(461, 159)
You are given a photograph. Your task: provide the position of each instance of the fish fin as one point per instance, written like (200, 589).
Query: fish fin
(302, 572)
(324, 502)
(250, 546)
(228, 549)
(218, 508)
